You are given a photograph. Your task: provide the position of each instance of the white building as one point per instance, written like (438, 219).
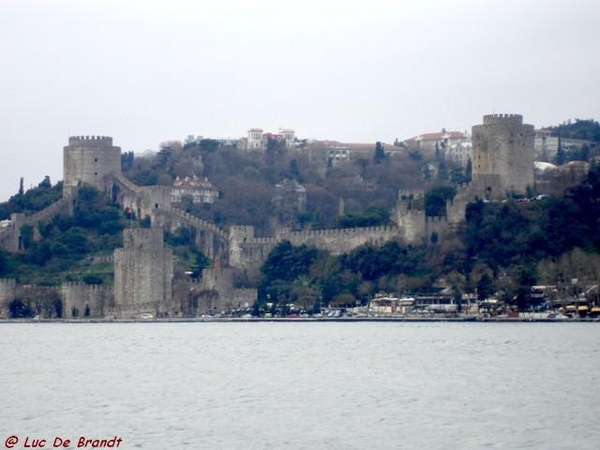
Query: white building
(199, 190)
(258, 139)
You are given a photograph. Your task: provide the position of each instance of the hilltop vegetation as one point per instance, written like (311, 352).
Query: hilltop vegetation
(503, 247)
(63, 253)
(366, 186)
(586, 130)
(32, 200)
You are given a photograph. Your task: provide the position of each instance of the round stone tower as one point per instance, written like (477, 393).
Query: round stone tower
(90, 160)
(503, 155)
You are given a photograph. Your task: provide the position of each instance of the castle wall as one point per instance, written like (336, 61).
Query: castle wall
(210, 239)
(344, 240)
(90, 160)
(143, 274)
(435, 225)
(249, 252)
(223, 291)
(503, 153)
(455, 208)
(410, 214)
(44, 301)
(98, 300)
(8, 291)
(546, 148)
(10, 237)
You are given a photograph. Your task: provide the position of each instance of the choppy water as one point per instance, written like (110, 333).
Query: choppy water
(304, 386)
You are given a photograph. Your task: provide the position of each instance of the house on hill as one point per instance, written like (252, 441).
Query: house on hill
(198, 189)
(258, 139)
(454, 145)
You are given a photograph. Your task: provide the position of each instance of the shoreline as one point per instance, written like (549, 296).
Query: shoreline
(473, 319)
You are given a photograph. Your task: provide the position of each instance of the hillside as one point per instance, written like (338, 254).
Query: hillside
(503, 248)
(247, 180)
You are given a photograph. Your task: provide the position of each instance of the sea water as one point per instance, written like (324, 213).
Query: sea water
(301, 385)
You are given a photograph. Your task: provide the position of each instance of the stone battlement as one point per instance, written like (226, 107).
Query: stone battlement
(490, 119)
(411, 193)
(127, 184)
(333, 232)
(88, 287)
(307, 235)
(59, 206)
(436, 219)
(8, 282)
(263, 241)
(195, 221)
(83, 140)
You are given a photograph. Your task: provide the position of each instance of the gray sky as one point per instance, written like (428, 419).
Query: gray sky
(149, 71)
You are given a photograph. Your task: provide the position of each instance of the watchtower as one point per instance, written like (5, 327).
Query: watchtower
(410, 214)
(503, 155)
(143, 274)
(90, 160)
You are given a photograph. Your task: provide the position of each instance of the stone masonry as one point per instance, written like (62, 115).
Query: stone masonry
(90, 160)
(503, 155)
(143, 275)
(503, 150)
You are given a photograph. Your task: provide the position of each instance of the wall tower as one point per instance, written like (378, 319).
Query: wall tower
(503, 156)
(410, 214)
(90, 160)
(143, 274)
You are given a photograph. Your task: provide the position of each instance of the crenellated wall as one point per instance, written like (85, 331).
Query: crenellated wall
(503, 152)
(90, 160)
(225, 288)
(142, 200)
(343, 240)
(209, 238)
(410, 214)
(74, 298)
(44, 301)
(98, 300)
(250, 252)
(437, 225)
(11, 238)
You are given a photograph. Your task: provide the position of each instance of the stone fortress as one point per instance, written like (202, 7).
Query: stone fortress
(503, 164)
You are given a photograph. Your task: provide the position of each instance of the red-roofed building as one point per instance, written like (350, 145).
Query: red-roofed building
(200, 190)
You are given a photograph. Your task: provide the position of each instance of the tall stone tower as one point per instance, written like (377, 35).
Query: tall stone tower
(143, 274)
(503, 156)
(89, 160)
(410, 214)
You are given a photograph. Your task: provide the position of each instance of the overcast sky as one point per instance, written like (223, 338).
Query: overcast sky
(149, 71)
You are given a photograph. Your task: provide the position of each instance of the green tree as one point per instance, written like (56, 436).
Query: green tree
(284, 265)
(127, 160)
(26, 236)
(19, 310)
(560, 153)
(370, 217)
(469, 171)
(485, 287)
(379, 155)
(436, 198)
